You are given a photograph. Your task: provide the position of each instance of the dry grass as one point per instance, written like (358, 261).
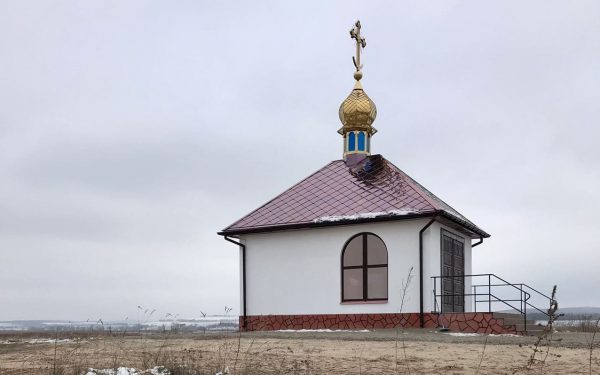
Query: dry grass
(186, 354)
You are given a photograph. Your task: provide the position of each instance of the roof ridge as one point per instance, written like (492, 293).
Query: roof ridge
(429, 196)
(282, 193)
(393, 195)
(418, 189)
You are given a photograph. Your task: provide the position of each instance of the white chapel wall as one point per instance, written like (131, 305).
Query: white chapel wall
(298, 272)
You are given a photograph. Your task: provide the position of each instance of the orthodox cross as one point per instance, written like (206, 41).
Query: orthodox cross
(360, 42)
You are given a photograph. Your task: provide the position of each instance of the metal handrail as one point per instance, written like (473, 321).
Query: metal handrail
(527, 297)
(524, 294)
(504, 301)
(521, 284)
(479, 275)
(537, 309)
(537, 291)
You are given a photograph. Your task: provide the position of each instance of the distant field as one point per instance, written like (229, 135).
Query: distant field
(375, 352)
(207, 323)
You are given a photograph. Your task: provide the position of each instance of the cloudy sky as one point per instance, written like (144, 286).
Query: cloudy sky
(132, 131)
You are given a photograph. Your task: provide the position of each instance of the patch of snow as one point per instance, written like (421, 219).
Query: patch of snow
(463, 334)
(365, 215)
(47, 341)
(321, 330)
(158, 370)
(566, 323)
(35, 341)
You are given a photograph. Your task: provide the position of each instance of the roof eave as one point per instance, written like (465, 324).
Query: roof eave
(475, 232)
(478, 232)
(312, 224)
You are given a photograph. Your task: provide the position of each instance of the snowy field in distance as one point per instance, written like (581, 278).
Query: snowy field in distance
(208, 323)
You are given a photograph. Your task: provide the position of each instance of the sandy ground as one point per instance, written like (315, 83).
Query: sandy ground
(377, 352)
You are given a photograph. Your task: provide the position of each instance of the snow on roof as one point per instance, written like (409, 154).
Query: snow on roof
(363, 215)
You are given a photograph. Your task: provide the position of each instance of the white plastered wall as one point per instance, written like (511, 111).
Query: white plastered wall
(298, 272)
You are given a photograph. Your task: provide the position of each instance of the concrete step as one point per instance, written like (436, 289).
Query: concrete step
(534, 330)
(499, 315)
(518, 321)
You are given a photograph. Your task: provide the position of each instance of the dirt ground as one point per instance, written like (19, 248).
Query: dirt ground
(375, 352)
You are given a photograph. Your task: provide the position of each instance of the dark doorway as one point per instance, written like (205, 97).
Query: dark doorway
(453, 265)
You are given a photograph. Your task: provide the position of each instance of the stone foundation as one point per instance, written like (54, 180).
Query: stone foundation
(457, 322)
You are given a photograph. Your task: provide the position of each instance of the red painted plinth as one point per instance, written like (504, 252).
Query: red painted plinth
(459, 322)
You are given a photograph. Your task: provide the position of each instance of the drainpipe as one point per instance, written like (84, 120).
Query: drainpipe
(421, 316)
(243, 278)
(477, 243)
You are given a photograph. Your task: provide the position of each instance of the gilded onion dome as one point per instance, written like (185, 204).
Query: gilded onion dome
(358, 111)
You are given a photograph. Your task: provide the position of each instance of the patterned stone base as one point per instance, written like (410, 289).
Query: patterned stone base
(458, 322)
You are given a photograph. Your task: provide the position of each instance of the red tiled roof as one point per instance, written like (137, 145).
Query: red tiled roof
(374, 190)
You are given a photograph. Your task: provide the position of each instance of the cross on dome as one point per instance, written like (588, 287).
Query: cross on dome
(358, 111)
(360, 43)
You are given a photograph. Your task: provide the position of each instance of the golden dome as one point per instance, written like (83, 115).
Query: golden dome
(358, 111)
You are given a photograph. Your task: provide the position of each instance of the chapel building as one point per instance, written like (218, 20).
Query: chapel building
(359, 244)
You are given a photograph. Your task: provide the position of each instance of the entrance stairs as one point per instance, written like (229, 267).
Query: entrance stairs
(519, 323)
(488, 293)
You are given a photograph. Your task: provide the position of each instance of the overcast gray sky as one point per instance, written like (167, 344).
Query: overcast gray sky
(132, 131)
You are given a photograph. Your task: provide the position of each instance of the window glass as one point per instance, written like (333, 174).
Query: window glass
(353, 284)
(364, 269)
(353, 255)
(377, 282)
(351, 141)
(361, 141)
(376, 251)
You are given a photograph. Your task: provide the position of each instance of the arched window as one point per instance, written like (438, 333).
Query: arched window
(364, 269)
(351, 141)
(361, 141)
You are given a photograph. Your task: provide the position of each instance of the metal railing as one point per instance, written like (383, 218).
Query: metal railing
(491, 291)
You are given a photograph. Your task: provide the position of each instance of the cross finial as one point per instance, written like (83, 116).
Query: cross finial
(360, 43)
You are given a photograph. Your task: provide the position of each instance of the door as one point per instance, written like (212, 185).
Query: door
(453, 270)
